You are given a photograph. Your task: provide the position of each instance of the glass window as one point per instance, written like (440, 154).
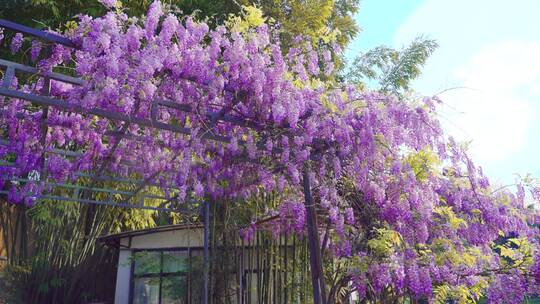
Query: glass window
(166, 277)
(174, 290)
(146, 291)
(196, 276)
(175, 261)
(147, 262)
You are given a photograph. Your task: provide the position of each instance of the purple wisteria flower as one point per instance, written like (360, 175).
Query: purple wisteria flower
(35, 50)
(16, 43)
(108, 3)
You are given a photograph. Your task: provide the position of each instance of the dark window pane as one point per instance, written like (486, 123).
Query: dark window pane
(146, 291)
(147, 262)
(174, 290)
(197, 276)
(175, 261)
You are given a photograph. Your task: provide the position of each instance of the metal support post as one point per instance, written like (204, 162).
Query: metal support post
(206, 251)
(317, 275)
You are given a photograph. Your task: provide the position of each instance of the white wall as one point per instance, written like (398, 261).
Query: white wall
(122, 277)
(166, 239)
(169, 239)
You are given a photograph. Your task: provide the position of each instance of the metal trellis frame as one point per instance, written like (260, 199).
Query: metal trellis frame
(319, 292)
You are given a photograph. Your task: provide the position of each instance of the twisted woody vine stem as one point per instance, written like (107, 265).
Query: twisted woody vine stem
(435, 229)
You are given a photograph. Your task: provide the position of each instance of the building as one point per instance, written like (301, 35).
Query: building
(164, 265)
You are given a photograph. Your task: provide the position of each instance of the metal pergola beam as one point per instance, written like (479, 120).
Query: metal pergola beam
(95, 202)
(32, 70)
(69, 107)
(69, 153)
(110, 193)
(51, 37)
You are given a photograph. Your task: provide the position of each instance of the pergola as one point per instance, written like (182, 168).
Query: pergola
(86, 193)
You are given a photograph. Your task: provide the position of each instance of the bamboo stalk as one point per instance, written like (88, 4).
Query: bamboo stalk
(251, 250)
(259, 269)
(274, 271)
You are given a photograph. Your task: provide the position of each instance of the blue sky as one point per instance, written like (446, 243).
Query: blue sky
(490, 47)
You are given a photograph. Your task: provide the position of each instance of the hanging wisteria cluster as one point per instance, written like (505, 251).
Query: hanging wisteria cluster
(408, 210)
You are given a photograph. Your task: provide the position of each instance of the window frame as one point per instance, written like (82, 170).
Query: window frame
(161, 274)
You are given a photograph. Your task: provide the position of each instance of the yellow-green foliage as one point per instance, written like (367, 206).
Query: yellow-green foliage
(424, 163)
(131, 218)
(326, 20)
(521, 255)
(461, 293)
(385, 241)
(444, 251)
(306, 17)
(310, 14)
(357, 263)
(446, 213)
(250, 17)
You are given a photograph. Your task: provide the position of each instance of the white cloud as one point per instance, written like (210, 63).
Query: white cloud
(496, 106)
(493, 48)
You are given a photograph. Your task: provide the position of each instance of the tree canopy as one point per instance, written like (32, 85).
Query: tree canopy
(313, 18)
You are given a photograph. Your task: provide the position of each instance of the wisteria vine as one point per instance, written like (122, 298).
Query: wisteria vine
(409, 212)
